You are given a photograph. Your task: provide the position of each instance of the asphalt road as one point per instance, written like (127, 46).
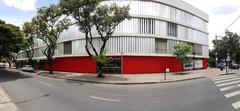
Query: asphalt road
(36, 93)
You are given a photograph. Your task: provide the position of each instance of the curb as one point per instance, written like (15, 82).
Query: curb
(133, 83)
(118, 83)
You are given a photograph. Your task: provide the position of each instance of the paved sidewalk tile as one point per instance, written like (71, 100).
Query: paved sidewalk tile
(5, 102)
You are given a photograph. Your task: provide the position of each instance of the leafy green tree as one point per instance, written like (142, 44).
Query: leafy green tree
(90, 16)
(181, 51)
(11, 41)
(228, 44)
(50, 23)
(29, 32)
(212, 58)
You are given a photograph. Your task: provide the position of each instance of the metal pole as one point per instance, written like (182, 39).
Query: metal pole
(226, 68)
(227, 61)
(216, 64)
(165, 74)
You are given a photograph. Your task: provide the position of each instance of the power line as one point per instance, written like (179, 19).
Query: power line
(233, 22)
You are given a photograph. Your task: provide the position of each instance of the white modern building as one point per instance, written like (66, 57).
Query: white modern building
(143, 44)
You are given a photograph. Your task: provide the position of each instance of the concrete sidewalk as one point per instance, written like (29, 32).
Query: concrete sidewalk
(6, 103)
(135, 79)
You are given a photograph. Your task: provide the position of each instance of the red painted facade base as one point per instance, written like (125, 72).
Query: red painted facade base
(149, 64)
(130, 64)
(73, 64)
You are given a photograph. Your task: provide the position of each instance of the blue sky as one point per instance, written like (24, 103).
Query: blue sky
(19, 11)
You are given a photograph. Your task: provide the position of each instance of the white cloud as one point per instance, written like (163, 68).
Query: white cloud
(24, 5)
(221, 14)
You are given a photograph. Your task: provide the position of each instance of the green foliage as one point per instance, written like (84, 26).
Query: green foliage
(181, 51)
(102, 59)
(29, 32)
(212, 58)
(228, 43)
(90, 15)
(82, 11)
(11, 40)
(50, 23)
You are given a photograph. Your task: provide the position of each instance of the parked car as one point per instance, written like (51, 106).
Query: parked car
(28, 68)
(2, 65)
(233, 66)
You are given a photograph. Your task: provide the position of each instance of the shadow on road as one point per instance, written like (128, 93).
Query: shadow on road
(32, 99)
(76, 82)
(82, 79)
(7, 75)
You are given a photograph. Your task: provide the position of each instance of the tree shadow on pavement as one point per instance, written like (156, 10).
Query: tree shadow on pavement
(8, 75)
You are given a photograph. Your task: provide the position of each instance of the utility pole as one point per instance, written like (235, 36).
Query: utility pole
(216, 54)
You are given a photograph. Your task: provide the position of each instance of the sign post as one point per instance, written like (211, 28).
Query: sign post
(227, 64)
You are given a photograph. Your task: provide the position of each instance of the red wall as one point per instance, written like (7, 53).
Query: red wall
(73, 64)
(149, 64)
(205, 63)
(130, 65)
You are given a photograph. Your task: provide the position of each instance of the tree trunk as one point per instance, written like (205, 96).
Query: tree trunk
(9, 63)
(30, 62)
(50, 64)
(182, 68)
(100, 71)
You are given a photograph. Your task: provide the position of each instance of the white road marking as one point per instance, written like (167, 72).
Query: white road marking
(229, 83)
(228, 88)
(47, 84)
(105, 99)
(221, 76)
(226, 80)
(218, 79)
(236, 105)
(232, 94)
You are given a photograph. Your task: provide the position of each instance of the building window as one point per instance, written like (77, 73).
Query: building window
(172, 29)
(67, 47)
(147, 26)
(171, 44)
(197, 49)
(161, 46)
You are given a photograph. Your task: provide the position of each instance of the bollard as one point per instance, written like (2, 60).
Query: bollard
(165, 73)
